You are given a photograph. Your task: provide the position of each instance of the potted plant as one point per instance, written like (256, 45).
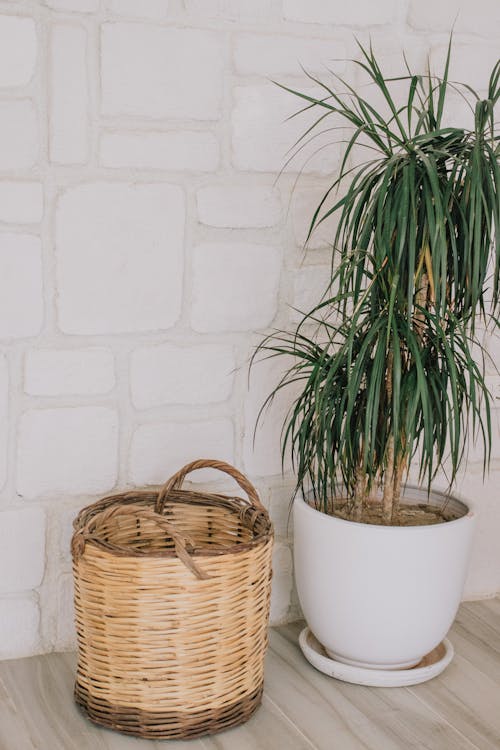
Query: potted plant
(387, 366)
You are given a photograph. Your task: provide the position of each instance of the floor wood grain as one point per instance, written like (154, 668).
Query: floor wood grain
(302, 709)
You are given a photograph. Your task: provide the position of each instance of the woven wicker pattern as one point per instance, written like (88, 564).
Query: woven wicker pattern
(172, 594)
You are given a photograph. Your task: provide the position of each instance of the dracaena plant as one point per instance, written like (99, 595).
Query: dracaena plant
(386, 364)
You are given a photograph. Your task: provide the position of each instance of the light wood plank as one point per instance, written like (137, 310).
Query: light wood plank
(478, 641)
(467, 694)
(486, 611)
(302, 709)
(37, 711)
(468, 700)
(268, 729)
(356, 716)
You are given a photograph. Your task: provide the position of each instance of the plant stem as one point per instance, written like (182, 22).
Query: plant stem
(359, 494)
(398, 481)
(422, 302)
(388, 496)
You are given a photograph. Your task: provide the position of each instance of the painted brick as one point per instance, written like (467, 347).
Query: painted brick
(161, 72)
(18, 47)
(21, 202)
(18, 135)
(475, 74)
(280, 508)
(21, 301)
(262, 134)
(61, 372)
(77, 6)
(19, 624)
(69, 98)
(22, 549)
(262, 446)
(279, 55)
(65, 627)
(238, 207)
(80, 456)
(150, 9)
(475, 451)
(257, 10)
(177, 150)
(235, 286)
(120, 246)
(172, 374)
(159, 450)
(482, 496)
(391, 47)
(337, 12)
(492, 344)
(482, 16)
(63, 518)
(457, 111)
(310, 284)
(4, 418)
(304, 203)
(282, 583)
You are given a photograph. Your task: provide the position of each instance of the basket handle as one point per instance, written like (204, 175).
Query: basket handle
(181, 543)
(175, 482)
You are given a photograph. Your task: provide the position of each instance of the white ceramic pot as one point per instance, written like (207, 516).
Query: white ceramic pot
(380, 597)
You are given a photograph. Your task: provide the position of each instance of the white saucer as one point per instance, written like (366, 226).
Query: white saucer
(430, 666)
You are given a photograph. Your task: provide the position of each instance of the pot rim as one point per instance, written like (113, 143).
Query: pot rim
(441, 497)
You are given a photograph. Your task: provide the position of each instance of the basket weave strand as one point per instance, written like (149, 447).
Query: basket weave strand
(172, 595)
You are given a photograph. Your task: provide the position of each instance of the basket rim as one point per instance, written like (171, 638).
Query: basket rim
(147, 497)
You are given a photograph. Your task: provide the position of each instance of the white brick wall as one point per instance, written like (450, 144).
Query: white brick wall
(337, 12)
(151, 71)
(176, 150)
(146, 242)
(119, 253)
(235, 286)
(173, 374)
(18, 134)
(18, 47)
(61, 372)
(67, 451)
(460, 69)
(304, 202)
(69, 131)
(4, 419)
(158, 450)
(261, 449)
(309, 285)
(22, 549)
(230, 9)
(19, 627)
(282, 582)
(262, 131)
(481, 17)
(151, 9)
(21, 285)
(21, 202)
(280, 55)
(238, 206)
(78, 6)
(65, 625)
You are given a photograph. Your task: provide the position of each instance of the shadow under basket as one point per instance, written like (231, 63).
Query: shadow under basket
(172, 593)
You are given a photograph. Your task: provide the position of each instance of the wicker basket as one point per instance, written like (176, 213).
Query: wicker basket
(172, 595)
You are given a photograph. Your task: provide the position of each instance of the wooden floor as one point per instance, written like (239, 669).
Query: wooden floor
(302, 709)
